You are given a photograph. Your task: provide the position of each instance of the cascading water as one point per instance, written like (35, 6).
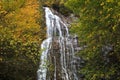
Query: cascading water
(58, 51)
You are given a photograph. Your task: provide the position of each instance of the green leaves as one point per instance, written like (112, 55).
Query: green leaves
(98, 26)
(12, 5)
(17, 55)
(20, 40)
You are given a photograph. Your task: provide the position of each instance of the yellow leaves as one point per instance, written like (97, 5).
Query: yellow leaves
(94, 77)
(108, 15)
(23, 16)
(24, 20)
(100, 12)
(62, 2)
(0, 6)
(109, 0)
(94, 47)
(114, 27)
(91, 34)
(87, 1)
(109, 9)
(9, 16)
(1, 59)
(27, 16)
(119, 3)
(102, 4)
(2, 12)
(82, 10)
(12, 5)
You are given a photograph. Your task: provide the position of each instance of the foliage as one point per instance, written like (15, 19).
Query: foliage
(21, 32)
(20, 38)
(57, 5)
(97, 28)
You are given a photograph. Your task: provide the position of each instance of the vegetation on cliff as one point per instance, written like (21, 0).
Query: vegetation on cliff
(22, 30)
(20, 38)
(98, 28)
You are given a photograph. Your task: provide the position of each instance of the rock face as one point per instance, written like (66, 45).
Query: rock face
(58, 60)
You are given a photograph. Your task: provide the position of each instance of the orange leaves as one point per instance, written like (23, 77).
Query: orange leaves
(22, 18)
(27, 15)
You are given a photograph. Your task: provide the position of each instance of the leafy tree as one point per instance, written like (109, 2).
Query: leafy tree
(20, 38)
(98, 29)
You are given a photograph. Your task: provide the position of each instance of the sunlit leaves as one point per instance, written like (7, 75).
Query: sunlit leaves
(20, 33)
(99, 26)
(11, 5)
(109, 0)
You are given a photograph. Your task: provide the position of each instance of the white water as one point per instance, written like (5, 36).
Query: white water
(57, 28)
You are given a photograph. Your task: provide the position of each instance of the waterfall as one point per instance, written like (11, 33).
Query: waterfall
(58, 51)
